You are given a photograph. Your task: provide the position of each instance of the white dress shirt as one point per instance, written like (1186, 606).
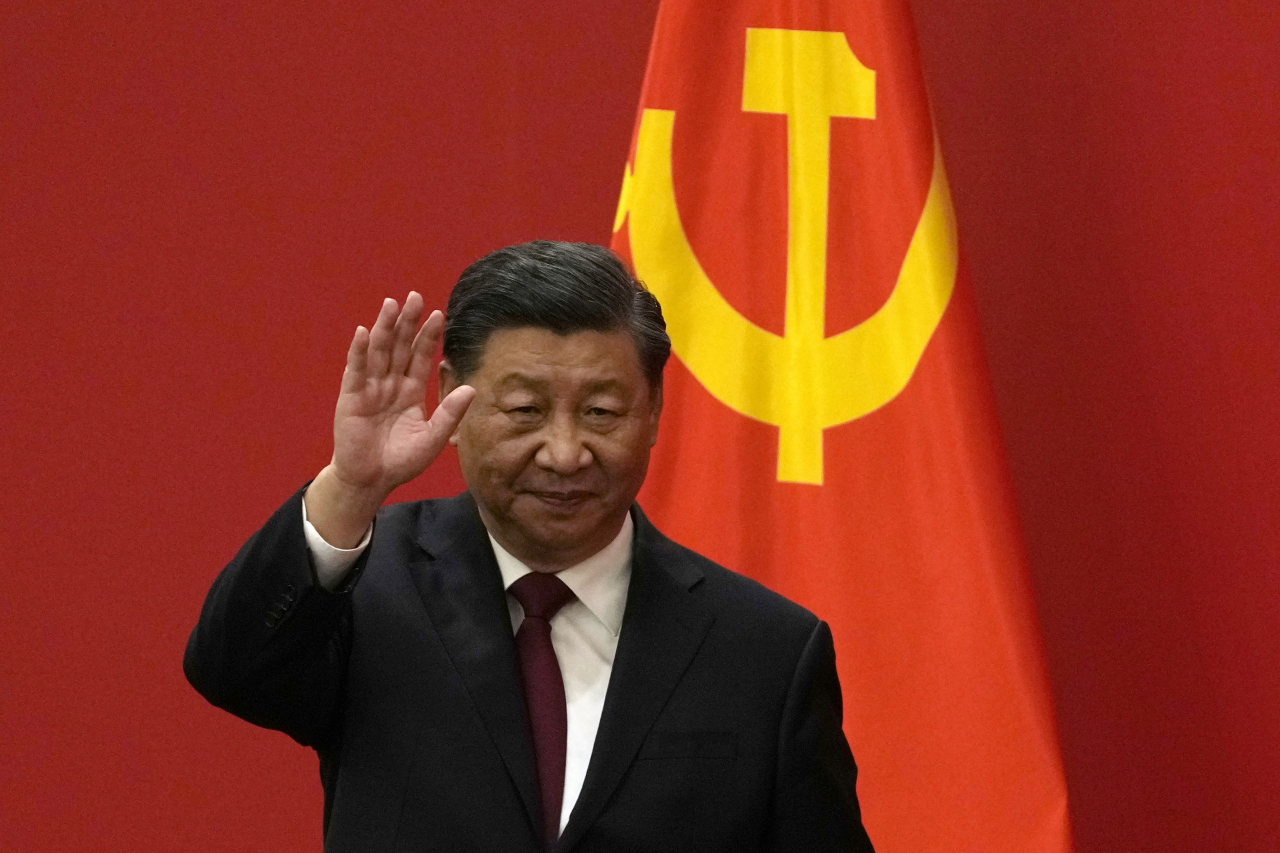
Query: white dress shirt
(584, 633)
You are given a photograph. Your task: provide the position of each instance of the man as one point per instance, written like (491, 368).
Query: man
(528, 665)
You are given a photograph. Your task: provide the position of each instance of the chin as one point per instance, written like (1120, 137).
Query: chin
(562, 533)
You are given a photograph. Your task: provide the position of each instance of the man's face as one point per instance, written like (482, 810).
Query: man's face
(556, 443)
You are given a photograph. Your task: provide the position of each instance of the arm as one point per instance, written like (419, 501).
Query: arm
(271, 645)
(815, 805)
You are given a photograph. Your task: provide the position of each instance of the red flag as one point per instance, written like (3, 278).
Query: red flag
(828, 426)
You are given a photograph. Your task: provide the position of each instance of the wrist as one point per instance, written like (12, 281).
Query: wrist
(340, 511)
(350, 490)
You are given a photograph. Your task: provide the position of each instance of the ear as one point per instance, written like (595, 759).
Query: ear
(655, 412)
(448, 381)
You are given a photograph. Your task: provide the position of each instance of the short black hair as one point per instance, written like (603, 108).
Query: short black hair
(562, 287)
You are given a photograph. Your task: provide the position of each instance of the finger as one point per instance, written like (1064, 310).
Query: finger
(424, 347)
(357, 357)
(445, 419)
(406, 325)
(381, 337)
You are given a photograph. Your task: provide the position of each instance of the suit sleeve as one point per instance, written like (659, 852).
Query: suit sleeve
(272, 644)
(815, 803)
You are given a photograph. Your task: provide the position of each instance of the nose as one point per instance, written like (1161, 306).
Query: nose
(562, 450)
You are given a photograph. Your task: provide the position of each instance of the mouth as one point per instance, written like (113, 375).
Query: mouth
(562, 500)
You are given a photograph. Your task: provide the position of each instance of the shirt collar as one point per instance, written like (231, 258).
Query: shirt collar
(600, 581)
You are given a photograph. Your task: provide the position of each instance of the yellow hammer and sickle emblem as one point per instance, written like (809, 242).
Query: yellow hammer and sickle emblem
(801, 382)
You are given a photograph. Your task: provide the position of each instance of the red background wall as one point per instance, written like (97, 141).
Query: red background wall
(201, 201)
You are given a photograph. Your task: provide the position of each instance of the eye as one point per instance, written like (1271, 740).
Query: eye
(526, 415)
(600, 412)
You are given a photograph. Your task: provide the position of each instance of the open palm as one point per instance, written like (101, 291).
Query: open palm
(382, 436)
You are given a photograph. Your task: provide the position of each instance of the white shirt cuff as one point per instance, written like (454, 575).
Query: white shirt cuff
(331, 563)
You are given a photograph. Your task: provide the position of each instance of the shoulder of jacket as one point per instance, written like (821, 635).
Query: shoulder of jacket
(732, 592)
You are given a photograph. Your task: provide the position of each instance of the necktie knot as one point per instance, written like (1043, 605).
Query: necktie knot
(541, 595)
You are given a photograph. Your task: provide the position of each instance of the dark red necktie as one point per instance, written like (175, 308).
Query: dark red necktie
(541, 595)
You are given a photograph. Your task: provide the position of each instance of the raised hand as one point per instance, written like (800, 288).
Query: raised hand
(382, 436)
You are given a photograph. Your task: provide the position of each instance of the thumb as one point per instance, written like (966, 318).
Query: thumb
(445, 419)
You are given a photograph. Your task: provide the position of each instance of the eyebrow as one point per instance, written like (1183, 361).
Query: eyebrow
(520, 380)
(524, 380)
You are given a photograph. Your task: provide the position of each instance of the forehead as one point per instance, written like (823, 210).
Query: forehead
(531, 355)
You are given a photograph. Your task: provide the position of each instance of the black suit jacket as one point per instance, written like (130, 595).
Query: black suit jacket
(721, 728)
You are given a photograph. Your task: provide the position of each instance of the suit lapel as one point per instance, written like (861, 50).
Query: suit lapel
(461, 588)
(662, 629)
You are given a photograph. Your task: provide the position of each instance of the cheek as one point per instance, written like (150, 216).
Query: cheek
(502, 461)
(626, 457)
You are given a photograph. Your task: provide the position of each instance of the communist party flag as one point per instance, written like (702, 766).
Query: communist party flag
(828, 426)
